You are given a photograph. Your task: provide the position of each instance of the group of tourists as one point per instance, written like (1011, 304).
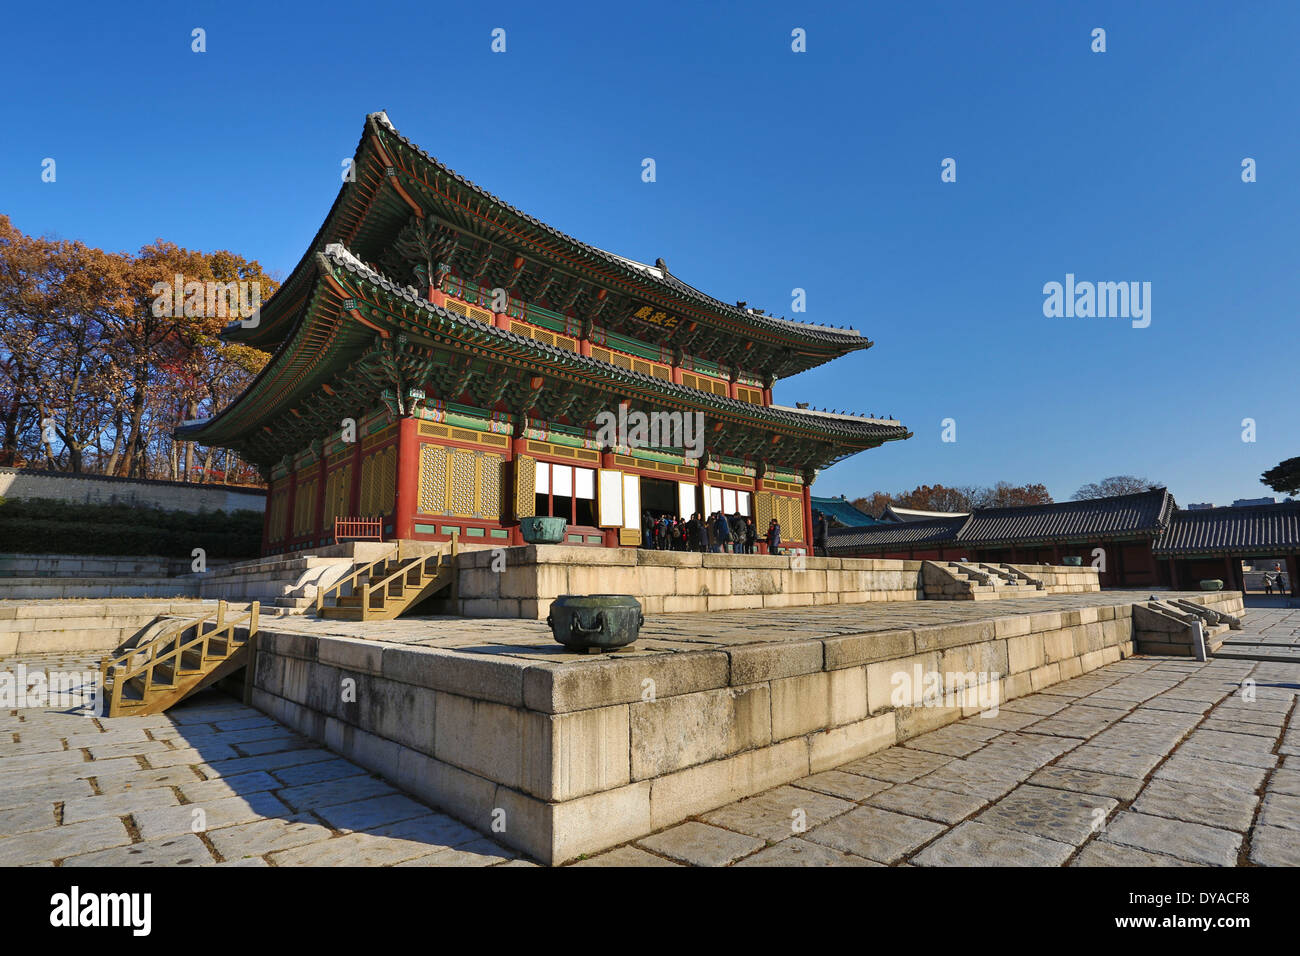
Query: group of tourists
(1279, 581)
(719, 533)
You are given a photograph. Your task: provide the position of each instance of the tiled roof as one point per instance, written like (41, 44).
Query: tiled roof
(912, 514)
(838, 509)
(658, 274)
(1123, 516)
(337, 257)
(1251, 530)
(884, 536)
(1146, 512)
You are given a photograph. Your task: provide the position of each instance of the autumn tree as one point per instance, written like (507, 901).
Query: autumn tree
(1115, 485)
(97, 367)
(1006, 495)
(961, 498)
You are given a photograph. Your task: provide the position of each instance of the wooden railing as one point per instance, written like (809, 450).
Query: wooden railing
(372, 588)
(358, 529)
(169, 646)
(351, 579)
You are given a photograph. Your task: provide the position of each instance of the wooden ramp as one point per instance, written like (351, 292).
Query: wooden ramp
(176, 660)
(387, 588)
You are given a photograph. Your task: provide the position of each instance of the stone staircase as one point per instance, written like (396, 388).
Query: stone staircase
(1167, 626)
(388, 587)
(972, 581)
(174, 658)
(287, 584)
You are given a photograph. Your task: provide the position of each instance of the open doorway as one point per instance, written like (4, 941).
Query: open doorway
(659, 497)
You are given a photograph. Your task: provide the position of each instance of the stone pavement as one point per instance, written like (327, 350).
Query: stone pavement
(1272, 632)
(211, 782)
(1151, 761)
(668, 633)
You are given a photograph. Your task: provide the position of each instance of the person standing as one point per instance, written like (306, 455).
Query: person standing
(751, 537)
(819, 535)
(774, 537)
(724, 533)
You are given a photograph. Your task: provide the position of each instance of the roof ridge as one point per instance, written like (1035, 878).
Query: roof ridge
(381, 118)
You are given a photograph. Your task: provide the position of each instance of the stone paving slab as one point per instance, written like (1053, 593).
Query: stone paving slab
(1188, 841)
(978, 844)
(702, 845)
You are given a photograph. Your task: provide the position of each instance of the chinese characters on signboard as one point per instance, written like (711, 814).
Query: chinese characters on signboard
(652, 316)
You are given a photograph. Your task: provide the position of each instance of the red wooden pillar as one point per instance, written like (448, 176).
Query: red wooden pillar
(1173, 574)
(761, 532)
(1293, 574)
(408, 478)
(518, 446)
(808, 536)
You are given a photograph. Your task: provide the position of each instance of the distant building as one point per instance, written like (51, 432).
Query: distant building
(840, 514)
(1252, 502)
(1205, 506)
(1137, 541)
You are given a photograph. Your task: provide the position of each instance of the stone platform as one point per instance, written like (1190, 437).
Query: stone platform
(1150, 761)
(560, 754)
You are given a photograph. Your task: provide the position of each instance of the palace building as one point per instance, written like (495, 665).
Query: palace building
(440, 360)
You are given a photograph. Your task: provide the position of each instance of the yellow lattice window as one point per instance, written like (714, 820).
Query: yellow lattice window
(275, 531)
(386, 486)
(367, 499)
(490, 485)
(763, 510)
(304, 507)
(338, 494)
(460, 497)
(433, 480)
(525, 486)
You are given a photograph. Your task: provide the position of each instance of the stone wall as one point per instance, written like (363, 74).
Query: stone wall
(573, 757)
(1059, 579)
(522, 581)
(81, 626)
(22, 483)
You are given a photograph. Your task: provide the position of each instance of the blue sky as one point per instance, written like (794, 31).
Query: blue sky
(775, 170)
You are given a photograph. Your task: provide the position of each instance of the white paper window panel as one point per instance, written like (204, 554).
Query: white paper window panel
(745, 503)
(584, 483)
(685, 498)
(611, 498)
(542, 484)
(715, 499)
(631, 501)
(562, 479)
(729, 500)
